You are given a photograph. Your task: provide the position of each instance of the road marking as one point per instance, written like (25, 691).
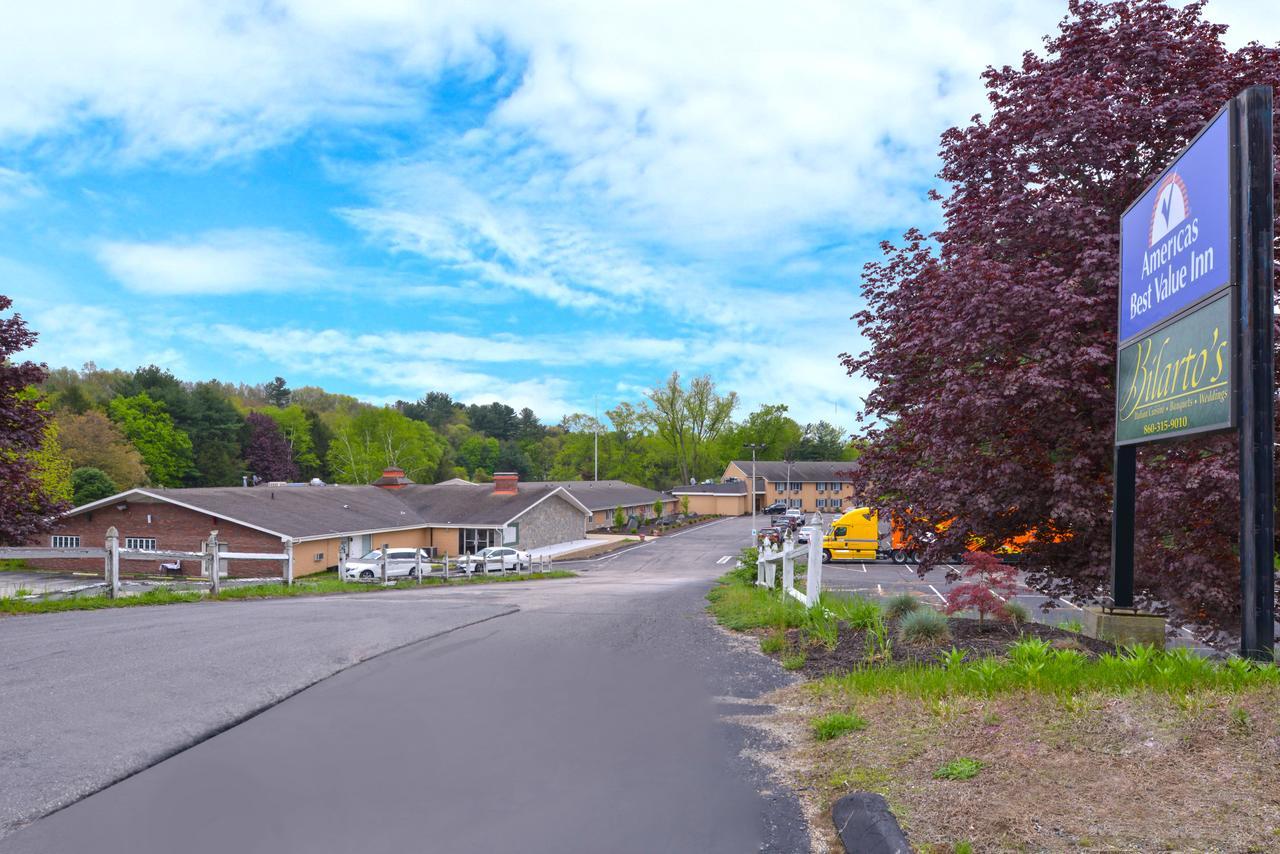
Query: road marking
(863, 565)
(725, 559)
(939, 595)
(879, 589)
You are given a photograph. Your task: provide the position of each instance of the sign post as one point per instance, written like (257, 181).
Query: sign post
(1195, 342)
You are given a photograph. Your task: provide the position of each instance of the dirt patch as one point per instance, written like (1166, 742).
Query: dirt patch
(1140, 772)
(975, 639)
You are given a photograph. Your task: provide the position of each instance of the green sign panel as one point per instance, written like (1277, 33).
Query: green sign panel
(1176, 381)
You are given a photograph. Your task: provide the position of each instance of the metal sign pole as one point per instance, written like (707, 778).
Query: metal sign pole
(1123, 514)
(1257, 376)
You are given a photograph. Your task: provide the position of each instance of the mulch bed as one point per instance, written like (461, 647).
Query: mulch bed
(967, 634)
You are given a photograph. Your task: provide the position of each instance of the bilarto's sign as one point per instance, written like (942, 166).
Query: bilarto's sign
(1177, 331)
(1177, 380)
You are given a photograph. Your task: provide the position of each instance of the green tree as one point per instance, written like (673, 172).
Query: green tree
(479, 454)
(822, 441)
(684, 504)
(52, 467)
(91, 440)
(165, 450)
(657, 507)
(769, 426)
(619, 518)
(216, 429)
(689, 420)
(376, 439)
(90, 484)
(297, 427)
(277, 393)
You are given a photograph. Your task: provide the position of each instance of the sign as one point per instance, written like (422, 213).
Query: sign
(1177, 380)
(1175, 240)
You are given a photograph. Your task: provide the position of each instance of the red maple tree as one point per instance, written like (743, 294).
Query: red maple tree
(991, 343)
(991, 584)
(25, 508)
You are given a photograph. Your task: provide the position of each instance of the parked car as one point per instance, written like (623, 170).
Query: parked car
(400, 564)
(804, 534)
(777, 507)
(496, 559)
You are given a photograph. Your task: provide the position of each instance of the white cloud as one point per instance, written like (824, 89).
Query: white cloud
(17, 188)
(217, 262)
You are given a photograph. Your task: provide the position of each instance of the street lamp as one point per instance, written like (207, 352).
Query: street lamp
(751, 493)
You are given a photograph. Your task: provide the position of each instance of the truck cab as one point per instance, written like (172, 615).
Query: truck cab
(853, 536)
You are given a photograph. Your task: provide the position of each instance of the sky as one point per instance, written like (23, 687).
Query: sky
(545, 203)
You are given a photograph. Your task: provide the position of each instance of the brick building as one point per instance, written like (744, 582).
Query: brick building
(323, 522)
(821, 486)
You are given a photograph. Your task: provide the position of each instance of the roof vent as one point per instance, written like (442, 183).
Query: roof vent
(506, 483)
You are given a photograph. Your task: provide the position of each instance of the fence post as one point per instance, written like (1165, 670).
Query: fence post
(288, 563)
(383, 561)
(214, 561)
(446, 566)
(813, 580)
(342, 560)
(760, 554)
(788, 570)
(112, 568)
(417, 564)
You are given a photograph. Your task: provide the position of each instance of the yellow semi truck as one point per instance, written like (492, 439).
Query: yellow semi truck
(859, 535)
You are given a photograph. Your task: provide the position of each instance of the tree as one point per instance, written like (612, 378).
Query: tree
(619, 518)
(657, 507)
(511, 457)
(689, 419)
(277, 393)
(684, 504)
(267, 452)
(479, 454)
(296, 427)
(992, 342)
(530, 427)
(377, 439)
(92, 440)
(165, 450)
(821, 441)
(770, 427)
(993, 583)
(90, 484)
(494, 419)
(26, 508)
(216, 429)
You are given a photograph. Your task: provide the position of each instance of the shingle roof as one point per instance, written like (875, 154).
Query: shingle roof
(606, 494)
(302, 512)
(802, 471)
(734, 488)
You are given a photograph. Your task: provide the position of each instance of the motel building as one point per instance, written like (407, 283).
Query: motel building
(323, 522)
(603, 497)
(814, 486)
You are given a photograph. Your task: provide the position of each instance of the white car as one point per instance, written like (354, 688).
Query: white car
(495, 559)
(400, 564)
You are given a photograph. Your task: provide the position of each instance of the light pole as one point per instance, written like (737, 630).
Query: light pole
(751, 493)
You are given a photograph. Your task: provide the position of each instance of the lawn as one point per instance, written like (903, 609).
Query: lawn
(1020, 742)
(324, 584)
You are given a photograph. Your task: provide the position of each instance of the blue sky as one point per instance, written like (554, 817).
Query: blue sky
(539, 202)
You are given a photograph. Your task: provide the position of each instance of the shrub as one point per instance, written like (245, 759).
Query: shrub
(619, 518)
(745, 571)
(899, 606)
(1016, 613)
(821, 626)
(837, 724)
(923, 626)
(963, 768)
(1072, 626)
(684, 504)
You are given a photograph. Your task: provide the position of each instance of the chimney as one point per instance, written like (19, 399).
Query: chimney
(506, 483)
(392, 478)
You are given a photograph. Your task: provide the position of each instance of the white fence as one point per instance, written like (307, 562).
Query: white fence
(212, 556)
(785, 554)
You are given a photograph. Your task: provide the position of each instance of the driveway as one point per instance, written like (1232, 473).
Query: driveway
(595, 718)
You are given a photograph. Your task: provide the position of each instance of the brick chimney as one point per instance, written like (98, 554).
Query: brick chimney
(392, 478)
(506, 483)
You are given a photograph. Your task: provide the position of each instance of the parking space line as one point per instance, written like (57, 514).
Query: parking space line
(724, 559)
(939, 595)
(863, 565)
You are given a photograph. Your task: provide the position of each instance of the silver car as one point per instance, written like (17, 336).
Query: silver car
(495, 559)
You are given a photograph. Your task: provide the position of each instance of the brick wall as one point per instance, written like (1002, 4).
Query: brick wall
(172, 527)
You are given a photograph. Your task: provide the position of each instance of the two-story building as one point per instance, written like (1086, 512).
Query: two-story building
(821, 486)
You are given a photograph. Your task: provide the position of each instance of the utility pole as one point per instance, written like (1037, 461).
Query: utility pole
(751, 493)
(596, 419)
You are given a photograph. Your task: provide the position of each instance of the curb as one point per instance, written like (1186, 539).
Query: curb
(866, 826)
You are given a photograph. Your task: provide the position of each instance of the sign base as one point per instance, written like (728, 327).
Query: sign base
(1124, 626)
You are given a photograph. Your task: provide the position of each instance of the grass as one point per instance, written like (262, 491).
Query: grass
(13, 566)
(900, 605)
(741, 607)
(793, 660)
(837, 724)
(1033, 665)
(1017, 613)
(773, 642)
(924, 625)
(1072, 626)
(963, 768)
(302, 587)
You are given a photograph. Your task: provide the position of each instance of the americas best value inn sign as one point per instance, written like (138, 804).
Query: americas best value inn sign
(1177, 314)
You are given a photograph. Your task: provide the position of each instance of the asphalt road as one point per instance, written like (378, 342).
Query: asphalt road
(594, 719)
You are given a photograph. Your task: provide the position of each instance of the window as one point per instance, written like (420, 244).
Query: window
(147, 544)
(840, 532)
(472, 540)
(63, 541)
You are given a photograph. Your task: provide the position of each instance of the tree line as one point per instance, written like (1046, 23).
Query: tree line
(75, 436)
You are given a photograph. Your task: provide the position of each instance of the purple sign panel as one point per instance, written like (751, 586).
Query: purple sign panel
(1175, 240)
